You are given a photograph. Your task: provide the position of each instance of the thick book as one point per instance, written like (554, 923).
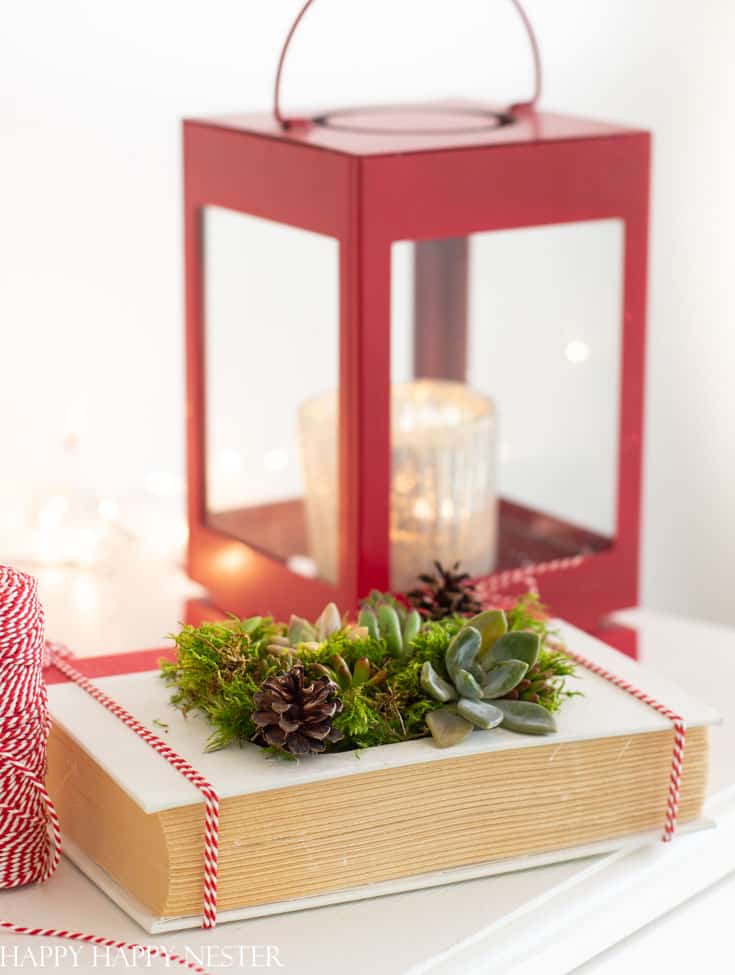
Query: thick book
(357, 824)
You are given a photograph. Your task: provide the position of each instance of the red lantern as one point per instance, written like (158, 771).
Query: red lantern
(384, 306)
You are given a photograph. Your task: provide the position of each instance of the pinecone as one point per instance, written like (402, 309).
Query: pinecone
(294, 716)
(445, 592)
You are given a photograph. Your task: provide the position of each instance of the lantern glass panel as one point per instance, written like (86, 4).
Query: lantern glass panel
(506, 366)
(271, 309)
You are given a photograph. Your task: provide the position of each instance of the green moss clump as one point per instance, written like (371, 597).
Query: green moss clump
(219, 667)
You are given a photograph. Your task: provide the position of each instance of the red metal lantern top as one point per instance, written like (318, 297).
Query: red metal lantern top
(380, 130)
(288, 122)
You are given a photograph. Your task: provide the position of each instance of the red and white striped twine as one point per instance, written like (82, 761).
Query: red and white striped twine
(30, 837)
(59, 658)
(677, 757)
(526, 575)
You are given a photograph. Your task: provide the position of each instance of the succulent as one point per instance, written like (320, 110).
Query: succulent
(363, 673)
(486, 683)
(383, 617)
(445, 592)
(280, 646)
(328, 623)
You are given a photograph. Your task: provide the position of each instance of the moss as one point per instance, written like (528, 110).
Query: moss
(349, 648)
(218, 669)
(529, 613)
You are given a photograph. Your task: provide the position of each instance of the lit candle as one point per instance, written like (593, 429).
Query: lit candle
(443, 496)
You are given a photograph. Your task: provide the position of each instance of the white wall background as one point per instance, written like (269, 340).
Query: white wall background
(91, 94)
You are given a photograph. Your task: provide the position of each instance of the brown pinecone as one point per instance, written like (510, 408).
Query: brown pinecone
(294, 716)
(445, 592)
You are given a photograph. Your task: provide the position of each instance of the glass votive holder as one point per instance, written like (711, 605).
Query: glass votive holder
(443, 502)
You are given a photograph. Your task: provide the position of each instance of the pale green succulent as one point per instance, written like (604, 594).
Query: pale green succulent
(386, 619)
(329, 622)
(361, 674)
(484, 663)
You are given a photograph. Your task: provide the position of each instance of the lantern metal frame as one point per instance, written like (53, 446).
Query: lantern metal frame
(369, 189)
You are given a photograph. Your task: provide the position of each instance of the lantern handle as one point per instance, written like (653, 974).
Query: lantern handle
(286, 122)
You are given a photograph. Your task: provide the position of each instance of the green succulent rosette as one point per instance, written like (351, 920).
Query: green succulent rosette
(486, 683)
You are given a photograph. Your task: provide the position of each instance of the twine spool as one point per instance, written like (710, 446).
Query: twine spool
(30, 840)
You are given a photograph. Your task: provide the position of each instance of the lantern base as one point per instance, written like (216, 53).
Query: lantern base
(525, 535)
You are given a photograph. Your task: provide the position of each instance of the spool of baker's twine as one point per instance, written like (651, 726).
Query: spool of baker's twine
(30, 838)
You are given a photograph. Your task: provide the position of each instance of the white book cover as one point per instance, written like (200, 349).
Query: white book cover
(603, 711)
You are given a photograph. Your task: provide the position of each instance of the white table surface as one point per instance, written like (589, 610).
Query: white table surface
(549, 920)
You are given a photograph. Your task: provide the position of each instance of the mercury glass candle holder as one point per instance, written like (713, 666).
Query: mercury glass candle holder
(443, 502)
